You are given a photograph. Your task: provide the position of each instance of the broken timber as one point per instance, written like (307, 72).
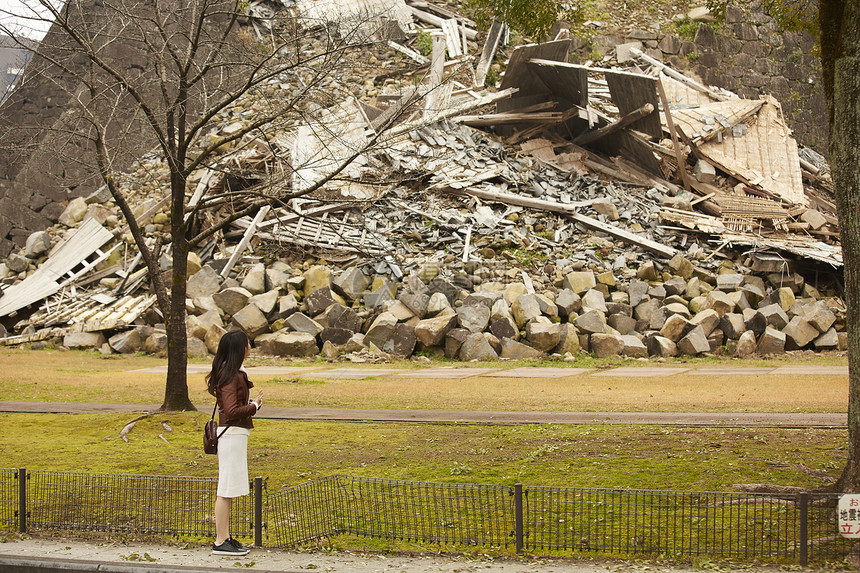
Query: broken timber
(569, 211)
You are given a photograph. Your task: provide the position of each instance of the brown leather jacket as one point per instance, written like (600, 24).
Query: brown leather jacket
(233, 398)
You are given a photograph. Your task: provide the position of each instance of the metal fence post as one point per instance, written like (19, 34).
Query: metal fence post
(518, 516)
(258, 511)
(804, 529)
(22, 500)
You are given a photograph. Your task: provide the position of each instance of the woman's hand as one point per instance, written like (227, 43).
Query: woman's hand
(258, 401)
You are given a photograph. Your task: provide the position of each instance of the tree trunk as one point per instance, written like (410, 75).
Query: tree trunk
(176, 388)
(840, 56)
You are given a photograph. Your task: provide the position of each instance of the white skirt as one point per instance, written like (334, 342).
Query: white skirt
(233, 462)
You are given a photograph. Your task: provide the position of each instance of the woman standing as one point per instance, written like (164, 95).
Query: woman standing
(229, 383)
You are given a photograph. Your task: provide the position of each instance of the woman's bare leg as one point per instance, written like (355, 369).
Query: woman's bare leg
(222, 519)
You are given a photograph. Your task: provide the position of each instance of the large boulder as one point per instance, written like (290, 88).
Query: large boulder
(580, 281)
(126, 342)
(568, 341)
(474, 318)
(288, 344)
(694, 342)
(232, 299)
(800, 331)
(477, 347)
(340, 316)
(255, 280)
(525, 308)
(432, 331)
(590, 323)
(82, 340)
(381, 330)
(543, 334)
(252, 320)
(265, 301)
(37, 244)
(661, 346)
(351, 283)
(300, 322)
(603, 345)
(316, 277)
(771, 341)
(513, 350)
(204, 282)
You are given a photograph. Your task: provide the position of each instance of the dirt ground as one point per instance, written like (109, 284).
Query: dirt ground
(199, 559)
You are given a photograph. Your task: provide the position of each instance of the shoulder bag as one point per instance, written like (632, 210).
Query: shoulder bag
(211, 435)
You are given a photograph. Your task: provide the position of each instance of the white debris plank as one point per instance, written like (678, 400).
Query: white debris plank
(89, 237)
(243, 244)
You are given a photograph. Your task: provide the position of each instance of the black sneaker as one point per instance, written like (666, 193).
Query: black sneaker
(236, 544)
(229, 550)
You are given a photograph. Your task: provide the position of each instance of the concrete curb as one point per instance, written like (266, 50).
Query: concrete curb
(15, 564)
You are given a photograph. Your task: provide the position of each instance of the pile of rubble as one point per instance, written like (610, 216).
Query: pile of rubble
(549, 225)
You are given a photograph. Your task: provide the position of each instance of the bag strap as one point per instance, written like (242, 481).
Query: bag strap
(214, 409)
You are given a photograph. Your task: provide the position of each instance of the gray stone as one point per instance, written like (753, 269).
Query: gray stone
(675, 286)
(486, 297)
(231, 300)
(316, 277)
(454, 341)
(739, 299)
(694, 342)
(603, 345)
(402, 343)
(754, 294)
(320, 299)
(196, 347)
(255, 281)
(747, 344)
(771, 341)
(782, 297)
(476, 347)
(827, 341)
(682, 267)
(623, 52)
(591, 322)
(801, 331)
(474, 318)
(606, 208)
(351, 283)
(419, 303)
(636, 292)
(213, 337)
(276, 279)
(300, 322)
(74, 212)
(819, 315)
(288, 344)
(704, 172)
(547, 306)
(440, 285)
(676, 308)
(513, 350)
(568, 303)
(381, 330)
(398, 309)
(339, 316)
(373, 300)
(732, 325)
(774, 315)
(719, 301)
(193, 328)
(568, 342)
(37, 244)
(675, 327)
(155, 343)
(633, 346)
(593, 300)
(525, 308)
(657, 291)
(432, 331)
(287, 305)
(661, 346)
(204, 282)
(82, 340)
(729, 281)
(252, 321)
(716, 339)
(504, 327)
(437, 303)
(543, 334)
(647, 271)
(17, 263)
(755, 321)
(622, 323)
(266, 301)
(126, 342)
(580, 281)
(708, 319)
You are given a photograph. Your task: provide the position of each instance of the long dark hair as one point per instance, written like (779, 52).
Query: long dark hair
(228, 359)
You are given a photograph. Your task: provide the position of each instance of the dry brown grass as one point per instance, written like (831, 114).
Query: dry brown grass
(72, 376)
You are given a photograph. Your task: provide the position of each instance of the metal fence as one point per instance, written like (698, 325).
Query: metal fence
(799, 528)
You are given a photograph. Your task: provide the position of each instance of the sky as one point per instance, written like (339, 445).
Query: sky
(9, 9)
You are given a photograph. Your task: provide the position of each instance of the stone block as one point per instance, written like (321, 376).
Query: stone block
(288, 344)
(300, 322)
(83, 340)
(746, 345)
(708, 319)
(543, 334)
(255, 279)
(432, 331)
(632, 346)
(513, 350)
(204, 282)
(232, 299)
(351, 283)
(252, 320)
(604, 345)
(476, 347)
(580, 281)
(800, 331)
(126, 342)
(661, 346)
(771, 341)
(694, 342)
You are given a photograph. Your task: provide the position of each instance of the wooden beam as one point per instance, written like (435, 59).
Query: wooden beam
(616, 126)
(489, 52)
(243, 244)
(570, 211)
(682, 167)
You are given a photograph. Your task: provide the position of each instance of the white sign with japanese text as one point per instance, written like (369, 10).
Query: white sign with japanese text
(849, 515)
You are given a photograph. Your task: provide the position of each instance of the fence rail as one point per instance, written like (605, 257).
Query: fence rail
(786, 528)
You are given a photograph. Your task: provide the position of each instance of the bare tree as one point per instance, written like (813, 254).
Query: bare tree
(840, 58)
(171, 74)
